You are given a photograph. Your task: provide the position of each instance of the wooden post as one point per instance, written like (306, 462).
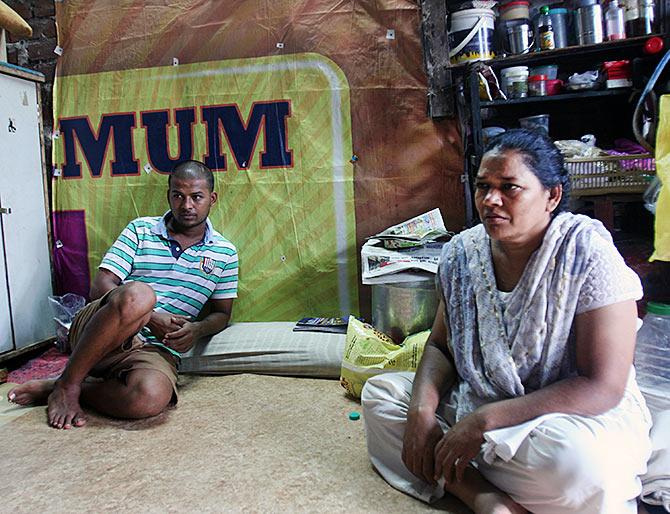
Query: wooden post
(3, 46)
(436, 58)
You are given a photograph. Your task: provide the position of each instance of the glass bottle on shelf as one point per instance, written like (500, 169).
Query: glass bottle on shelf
(631, 17)
(614, 21)
(545, 29)
(647, 17)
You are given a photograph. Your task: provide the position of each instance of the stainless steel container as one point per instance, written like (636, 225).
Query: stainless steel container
(519, 37)
(589, 18)
(402, 309)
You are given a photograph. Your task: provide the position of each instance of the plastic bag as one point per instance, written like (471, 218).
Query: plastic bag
(64, 309)
(368, 352)
(650, 195)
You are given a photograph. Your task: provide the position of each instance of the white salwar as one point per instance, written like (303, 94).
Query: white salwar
(508, 345)
(566, 464)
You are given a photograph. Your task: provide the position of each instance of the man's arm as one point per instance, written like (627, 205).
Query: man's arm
(103, 282)
(185, 337)
(160, 324)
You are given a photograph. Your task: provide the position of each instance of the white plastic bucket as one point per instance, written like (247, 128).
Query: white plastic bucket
(471, 35)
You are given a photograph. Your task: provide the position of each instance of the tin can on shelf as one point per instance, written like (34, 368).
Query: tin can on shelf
(589, 22)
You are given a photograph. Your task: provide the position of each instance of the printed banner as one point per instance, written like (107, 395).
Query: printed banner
(277, 133)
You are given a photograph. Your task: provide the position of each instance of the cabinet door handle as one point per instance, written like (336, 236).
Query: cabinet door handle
(5, 210)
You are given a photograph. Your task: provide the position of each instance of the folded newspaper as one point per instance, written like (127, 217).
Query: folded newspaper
(425, 228)
(382, 264)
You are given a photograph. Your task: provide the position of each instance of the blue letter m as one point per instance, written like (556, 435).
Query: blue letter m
(242, 137)
(95, 148)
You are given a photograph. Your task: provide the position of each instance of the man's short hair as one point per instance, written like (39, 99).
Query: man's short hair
(189, 170)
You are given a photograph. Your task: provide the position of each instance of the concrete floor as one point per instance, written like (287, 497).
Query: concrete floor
(242, 443)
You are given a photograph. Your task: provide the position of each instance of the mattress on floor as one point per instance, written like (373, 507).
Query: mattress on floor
(269, 348)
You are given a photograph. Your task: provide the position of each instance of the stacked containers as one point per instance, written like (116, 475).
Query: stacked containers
(514, 28)
(514, 81)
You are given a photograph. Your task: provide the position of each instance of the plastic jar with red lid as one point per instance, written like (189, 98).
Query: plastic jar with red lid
(537, 85)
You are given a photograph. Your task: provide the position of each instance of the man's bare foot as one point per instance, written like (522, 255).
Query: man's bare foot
(64, 410)
(35, 392)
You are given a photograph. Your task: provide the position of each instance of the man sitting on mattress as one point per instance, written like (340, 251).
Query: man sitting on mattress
(150, 287)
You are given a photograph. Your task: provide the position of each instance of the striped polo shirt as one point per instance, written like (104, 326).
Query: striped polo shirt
(182, 285)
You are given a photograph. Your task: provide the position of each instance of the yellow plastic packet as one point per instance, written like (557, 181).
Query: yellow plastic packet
(662, 223)
(369, 352)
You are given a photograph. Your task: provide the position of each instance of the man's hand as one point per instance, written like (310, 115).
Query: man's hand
(422, 434)
(163, 323)
(458, 446)
(184, 337)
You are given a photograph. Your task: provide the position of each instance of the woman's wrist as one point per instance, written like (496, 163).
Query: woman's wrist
(484, 418)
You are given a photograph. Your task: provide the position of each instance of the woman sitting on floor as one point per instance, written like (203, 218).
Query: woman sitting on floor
(526, 396)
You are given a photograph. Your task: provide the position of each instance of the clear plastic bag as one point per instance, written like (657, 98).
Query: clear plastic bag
(64, 309)
(650, 196)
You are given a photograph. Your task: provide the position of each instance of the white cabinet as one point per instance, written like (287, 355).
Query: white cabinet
(25, 264)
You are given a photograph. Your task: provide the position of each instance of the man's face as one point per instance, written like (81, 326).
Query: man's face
(190, 201)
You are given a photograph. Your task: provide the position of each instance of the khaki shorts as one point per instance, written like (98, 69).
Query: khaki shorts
(132, 354)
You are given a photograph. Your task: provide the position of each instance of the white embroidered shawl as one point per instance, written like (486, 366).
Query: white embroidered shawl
(505, 349)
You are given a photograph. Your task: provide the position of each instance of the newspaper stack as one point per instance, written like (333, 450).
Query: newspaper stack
(404, 252)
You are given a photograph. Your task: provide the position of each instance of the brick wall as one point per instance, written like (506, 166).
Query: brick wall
(37, 53)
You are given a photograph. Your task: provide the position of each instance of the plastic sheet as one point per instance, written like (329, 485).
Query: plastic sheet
(64, 309)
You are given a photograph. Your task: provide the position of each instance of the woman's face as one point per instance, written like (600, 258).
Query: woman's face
(511, 201)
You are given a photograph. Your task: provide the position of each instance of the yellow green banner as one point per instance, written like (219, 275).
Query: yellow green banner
(275, 130)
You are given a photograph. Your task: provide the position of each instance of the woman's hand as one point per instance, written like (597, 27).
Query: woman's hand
(422, 433)
(458, 446)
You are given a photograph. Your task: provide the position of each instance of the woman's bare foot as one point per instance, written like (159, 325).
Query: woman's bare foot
(494, 503)
(35, 392)
(63, 409)
(482, 496)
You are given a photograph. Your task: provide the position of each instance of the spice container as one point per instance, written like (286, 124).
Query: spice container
(537, 85)
(519, 89)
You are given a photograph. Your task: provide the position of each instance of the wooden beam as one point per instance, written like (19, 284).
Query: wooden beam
(23, 73)
(436, 58)
(3, 46)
